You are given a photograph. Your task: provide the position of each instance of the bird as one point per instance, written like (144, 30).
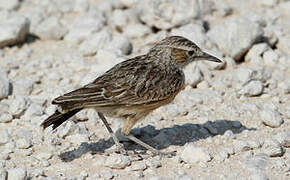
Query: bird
(133, 88)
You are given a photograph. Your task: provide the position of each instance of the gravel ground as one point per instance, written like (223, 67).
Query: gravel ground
(230, 122)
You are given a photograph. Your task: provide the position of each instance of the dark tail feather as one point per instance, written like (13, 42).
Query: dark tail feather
(58, 118)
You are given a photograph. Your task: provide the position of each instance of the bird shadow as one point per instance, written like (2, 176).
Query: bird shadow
(178, 135)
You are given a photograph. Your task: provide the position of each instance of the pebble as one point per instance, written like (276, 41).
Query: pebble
(253, 88)
(17, 173)
(193, 75)
(232, 30)
(192, 154)
(272, 148)
(33, 110)
(13, 31)
(9, 5)
(51, 29)
(3, 174)
(223, 7)
(136, 31)
(257, 162)
(137, 166)
(283, 138)
(271, 117)
(5, 136)
(5, 118)
(165, 15)
(271, 58)
(256, 51)
(5, 86)
(285, 86)
(117, 161)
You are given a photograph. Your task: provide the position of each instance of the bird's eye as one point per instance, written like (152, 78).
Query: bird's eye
(190, 53)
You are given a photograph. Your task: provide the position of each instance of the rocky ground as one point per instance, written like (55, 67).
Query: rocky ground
(230, 122)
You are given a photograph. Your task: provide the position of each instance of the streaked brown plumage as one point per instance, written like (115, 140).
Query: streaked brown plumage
(133, 88)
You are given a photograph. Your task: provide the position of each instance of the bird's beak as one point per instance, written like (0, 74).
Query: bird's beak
(208, 57)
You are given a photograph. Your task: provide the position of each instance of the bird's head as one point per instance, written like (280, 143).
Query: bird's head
(182, 51)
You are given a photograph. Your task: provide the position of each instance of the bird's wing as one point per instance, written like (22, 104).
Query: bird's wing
(132, 82)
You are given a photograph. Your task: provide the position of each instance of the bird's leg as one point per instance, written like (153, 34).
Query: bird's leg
(119, 145)
(129, 123)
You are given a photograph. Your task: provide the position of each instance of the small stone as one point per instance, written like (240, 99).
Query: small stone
(5, 118)
(153, 163)
(271, 58)
(193, 75)
(231, 32)
(284, 138)
(22, 87)
(285, 87)
(66, 129)
(32, 111)
(97, 41)
(257, 162)
(121, 43)
(84, 26)
(5, 137)
(9, 5)
(259, 175)
(156, 178)
(51, 29)
(23, 143)
(192, 154)
(17, 173)
(13, 31)
(117, 161)
(223, 7)
(3, 174)
(271, 117)
(257, 50)
(168, 14)
(272, 148)
(184, 177)
(253, 88)
(136, 30)
(270, 3)
(137, 166)
(5, 87)
(44, 155)
(241, 145)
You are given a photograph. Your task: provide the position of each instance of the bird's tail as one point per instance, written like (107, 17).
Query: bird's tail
(58, 118)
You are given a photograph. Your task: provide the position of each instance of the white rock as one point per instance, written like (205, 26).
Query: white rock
(236, 36)
(77, 139)
(257, 162)
(44, 155)
(257, 50)
(129, 3)
(84, 26)
(136, 30)
(137, 166)
(192, 154)
(5, 118)
(271, 117)
(23, 143)
(51, 29)
(121, 43)
(285, 86)
(9, 5)
(223, 7)
(18, 106)
(272, 148)
(283, 44)
(193, 32)
(5, 136)
(3, 174)
(5, 86)
(253, 88)
(23, 87)
(259, 175)
(168, 14)
(117, 161)
(81, 6)
(13, 31)
(271, 58)
(193, 75)
(95, 42)
(284, 138)
(32, 111)
(17, 173)
(270, 3)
